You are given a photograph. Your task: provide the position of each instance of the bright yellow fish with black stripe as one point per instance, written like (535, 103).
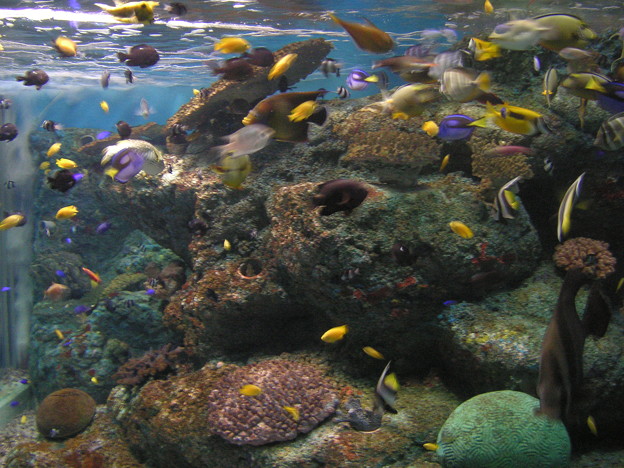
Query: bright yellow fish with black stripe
(513, 119)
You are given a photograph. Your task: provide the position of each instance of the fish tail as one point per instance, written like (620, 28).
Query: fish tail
(483, 81)
(482, 122)
(122, 56)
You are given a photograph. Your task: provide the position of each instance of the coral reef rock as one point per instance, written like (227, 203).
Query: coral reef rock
(64, 413)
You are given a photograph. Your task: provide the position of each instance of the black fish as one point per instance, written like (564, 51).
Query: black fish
(123, 129)
(61, 180)
(129, 76)
(176, 9)
(36, 78)
(402, 254)
(236, 69)
(282, 84)
(8, 132)
(260, 57)
(339, 195)
(342, 92)
(141, 55)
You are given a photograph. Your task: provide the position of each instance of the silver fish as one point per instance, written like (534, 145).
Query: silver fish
(565, 208)
(247, 140)
(463, 85)
(446, 60)
(518, 34)
(551, 83)
(610, 135)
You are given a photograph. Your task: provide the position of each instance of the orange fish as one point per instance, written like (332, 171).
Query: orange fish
(367, 37)
(56, 292)
(94, 276)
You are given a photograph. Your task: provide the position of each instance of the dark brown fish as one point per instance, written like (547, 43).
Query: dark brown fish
(8, 132)
(339, 195)
(274, 111)
(176, 9)
(141, 55)
(260, 56)
(123, 129)
(61, 180)
(236, 69)
(36, 78)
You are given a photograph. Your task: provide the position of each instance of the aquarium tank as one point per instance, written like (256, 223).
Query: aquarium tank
(301, 233)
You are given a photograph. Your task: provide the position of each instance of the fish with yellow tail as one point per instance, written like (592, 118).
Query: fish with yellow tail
(131, 12)
(564, 215)
(409, 100)
(335, 334)
(563, 30)
(372, 352)
(94, 277)
(514, 119)
(52, 150)
(66, 163)
(591, 424)
(461, 229)
(67, 212)
(484, 50)
(463, 85)
(233, 170)
(282, 66)
(444, 163)
(302, 111)
(232, 45)
(227, 245)
(250, 390)
(11, 221)
(367, 36)
(551, 83)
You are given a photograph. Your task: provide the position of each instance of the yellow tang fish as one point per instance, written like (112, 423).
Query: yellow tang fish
(294, 412)
(282, 65)
(372, 352)
(430, 128)
(65, 46)
(232, 45)
(335, 334)
(487, 7)
(367, 37)
(250, 390)
(23, 419)
(196, 92)
(131, 12)
(66, 163)
(445, 162)
(302, 111)
(461, 229)
(591, 423)
(44, 165)
(52, 150)
(104, 106)
(66, 212)
(227, 246)
(11, 221)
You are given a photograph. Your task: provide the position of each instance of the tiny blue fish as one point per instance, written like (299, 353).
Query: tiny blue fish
(67, 240)
(14, 403)
(81, 309)
(78, 176)
(23, 381)
(356, 80)
(60, 273)
(449, 303)
(150, 292)
(68, 342)
(102, 135)
(5, 289)
(103, 227)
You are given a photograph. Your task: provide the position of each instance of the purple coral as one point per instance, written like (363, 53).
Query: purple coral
(262, 419)
(155, 363)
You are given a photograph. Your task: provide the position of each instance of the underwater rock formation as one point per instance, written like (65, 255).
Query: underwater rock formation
(64, 413)
(156, 363)
(201, 109)
(501, 429)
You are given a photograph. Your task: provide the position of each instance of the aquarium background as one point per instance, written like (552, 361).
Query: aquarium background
(245, 281)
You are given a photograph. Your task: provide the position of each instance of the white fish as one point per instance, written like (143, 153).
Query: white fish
(145, 109)
(518, 34)
(247, 140)
(446, 60)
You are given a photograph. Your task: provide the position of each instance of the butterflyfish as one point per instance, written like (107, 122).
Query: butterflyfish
(367, 36)
(66, 163)
(565, 208)
(66, 212)
(386, 390)
(294, 412)
(372, 352)
(282, 66)
(250, 390)
(232, 45)
(302, 111)
(334, 334)
(52, 150)
(461, 229)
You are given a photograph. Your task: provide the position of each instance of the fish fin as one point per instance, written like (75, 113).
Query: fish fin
(111, 172)
(483, 81)
(218, 169)
(593, 84)
(482, 122)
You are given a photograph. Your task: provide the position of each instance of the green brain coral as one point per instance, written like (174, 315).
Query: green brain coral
(501, 429)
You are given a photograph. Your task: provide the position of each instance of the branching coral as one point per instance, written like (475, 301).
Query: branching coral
(264, 418)
(156, 363)
(591, 256)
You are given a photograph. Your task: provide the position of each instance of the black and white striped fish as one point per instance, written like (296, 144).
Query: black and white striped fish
(51, 126)
(610, 136)
(342, 92)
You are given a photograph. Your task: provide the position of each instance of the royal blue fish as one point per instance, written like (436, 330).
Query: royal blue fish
(5, 289)
(455, 127)
(102, 135)
(60, 273)
(357, 80)
(449, 303)
(612, 99)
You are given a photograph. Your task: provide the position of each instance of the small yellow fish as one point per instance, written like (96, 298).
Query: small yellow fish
(227, 246)
(131, 12)
(335, 334)
(282, 65)
(430, 128)
(302, 111)
(445, 162)
(431, 447)
(487, 7)
(196, 92)
(484, 50)
(66, 163)
(619, 285)
(294, 412)
(232, 45)
(52, 150)
(95, 381)
(461, 229)
(23, 419)
(250, 390)
(104, 106)
(591, 423)
(65, 46)
(59, 334)
(66, 212)
(372, 352)
(12, 221)
(44, 165)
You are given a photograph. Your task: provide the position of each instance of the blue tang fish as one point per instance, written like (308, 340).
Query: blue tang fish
(357, 80)
(455, 127)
